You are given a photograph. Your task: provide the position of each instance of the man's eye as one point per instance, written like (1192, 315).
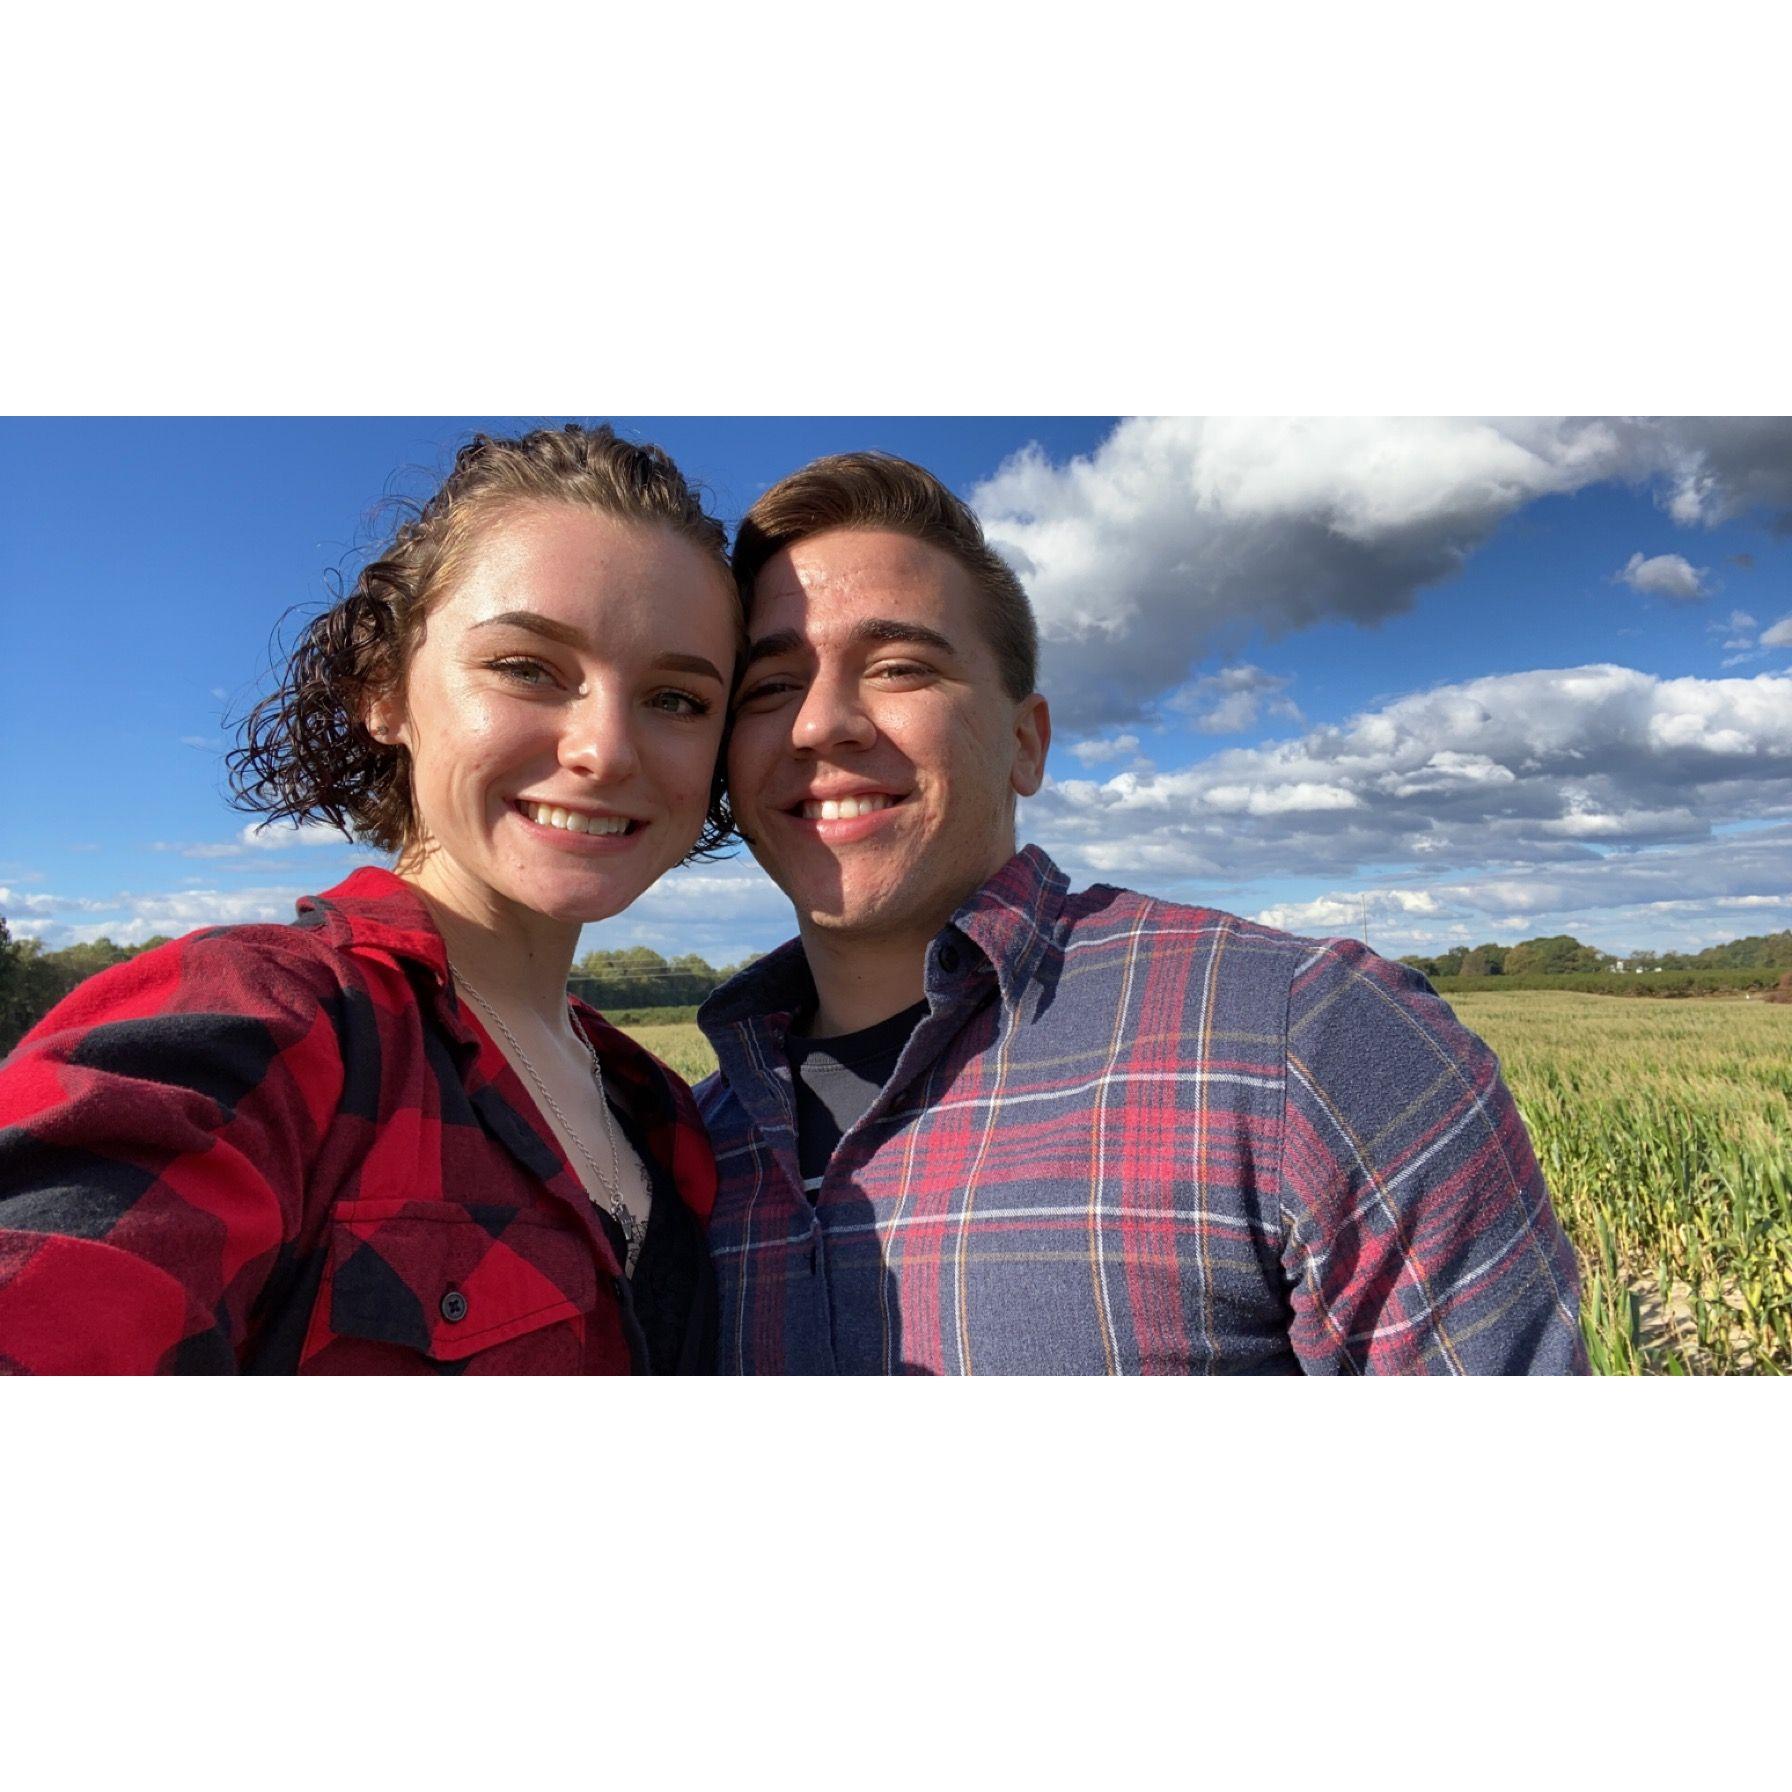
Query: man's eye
(766, 690)
(895, 671)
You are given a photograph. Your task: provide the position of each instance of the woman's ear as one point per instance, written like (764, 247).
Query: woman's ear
(383, 720)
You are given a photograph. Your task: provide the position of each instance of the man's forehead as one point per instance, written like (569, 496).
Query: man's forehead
(814, 581)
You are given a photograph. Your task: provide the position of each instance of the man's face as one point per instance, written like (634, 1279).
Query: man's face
(875, 756)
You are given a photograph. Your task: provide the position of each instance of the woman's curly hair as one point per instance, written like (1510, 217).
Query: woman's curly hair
(306, 751)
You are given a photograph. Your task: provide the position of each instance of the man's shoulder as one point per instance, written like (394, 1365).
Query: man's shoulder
(1239, 965)
(1108, 915)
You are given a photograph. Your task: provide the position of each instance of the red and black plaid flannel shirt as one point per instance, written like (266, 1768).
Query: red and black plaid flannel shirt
(289, 1148)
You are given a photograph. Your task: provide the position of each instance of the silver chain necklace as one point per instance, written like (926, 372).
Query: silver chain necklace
(634, 1229)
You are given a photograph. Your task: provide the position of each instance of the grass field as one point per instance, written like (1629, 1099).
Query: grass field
(1665, 1131)
(680, 1044)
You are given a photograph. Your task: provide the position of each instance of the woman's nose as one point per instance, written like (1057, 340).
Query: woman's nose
(599, 739)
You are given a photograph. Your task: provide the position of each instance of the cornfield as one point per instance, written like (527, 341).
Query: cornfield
(1665, 1132)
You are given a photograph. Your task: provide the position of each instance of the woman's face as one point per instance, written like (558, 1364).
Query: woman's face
(563, 711)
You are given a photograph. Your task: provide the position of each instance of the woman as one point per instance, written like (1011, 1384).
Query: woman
(381, 1139)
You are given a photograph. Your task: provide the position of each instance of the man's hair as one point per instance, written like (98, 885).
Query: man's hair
(881, 491)
(306, 751)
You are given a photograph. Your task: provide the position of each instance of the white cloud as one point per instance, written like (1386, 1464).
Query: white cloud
(722, 911)
(1343, 912)
(130, 918)
(260, 837)
(1779, 635)
(1231, 700)
(1540, 767)
(1104, 752)
(1178, 536)
(1666, 575)
(1668, 898)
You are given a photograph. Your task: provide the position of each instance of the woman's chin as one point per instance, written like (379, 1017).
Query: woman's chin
(579, 901)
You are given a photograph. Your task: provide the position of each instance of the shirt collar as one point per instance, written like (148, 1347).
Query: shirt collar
(376, 912)
(373, 910)
(1011, 921)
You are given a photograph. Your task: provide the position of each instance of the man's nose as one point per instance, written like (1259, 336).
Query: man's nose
(599, 739)
(832, 714)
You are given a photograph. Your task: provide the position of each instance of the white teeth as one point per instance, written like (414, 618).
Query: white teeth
(846, 808)
(572, 821)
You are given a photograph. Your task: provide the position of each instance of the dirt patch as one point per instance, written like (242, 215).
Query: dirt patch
(1666, 1328)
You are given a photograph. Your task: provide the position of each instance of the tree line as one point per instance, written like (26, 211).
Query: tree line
(1561, 955)
(639, 977)
(33, 981)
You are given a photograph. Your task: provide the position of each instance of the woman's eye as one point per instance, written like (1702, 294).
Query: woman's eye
(681, 703)
(531, 673)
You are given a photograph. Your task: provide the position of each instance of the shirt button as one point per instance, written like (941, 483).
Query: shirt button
(948, 958)
(454, 1306)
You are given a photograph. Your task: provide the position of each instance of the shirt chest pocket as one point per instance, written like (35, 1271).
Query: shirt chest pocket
(419, 1284)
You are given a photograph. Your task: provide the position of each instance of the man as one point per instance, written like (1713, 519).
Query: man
(969, 1123)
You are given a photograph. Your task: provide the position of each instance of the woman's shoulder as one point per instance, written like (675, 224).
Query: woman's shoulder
(247, 968)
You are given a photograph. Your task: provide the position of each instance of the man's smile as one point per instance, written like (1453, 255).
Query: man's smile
(843, 813)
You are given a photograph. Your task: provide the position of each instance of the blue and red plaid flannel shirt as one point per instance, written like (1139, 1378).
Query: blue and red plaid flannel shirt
(1132, 1137)
(289, 1149)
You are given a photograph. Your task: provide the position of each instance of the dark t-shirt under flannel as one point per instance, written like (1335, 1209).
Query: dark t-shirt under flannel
(837, 1079)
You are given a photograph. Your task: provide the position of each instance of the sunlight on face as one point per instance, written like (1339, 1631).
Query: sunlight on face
(563, 710)
(876, 756)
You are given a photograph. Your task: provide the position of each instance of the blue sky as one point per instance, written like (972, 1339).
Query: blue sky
(1490, 679)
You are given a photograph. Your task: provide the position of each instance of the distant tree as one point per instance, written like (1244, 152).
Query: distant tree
(1758, 952)
(12, 983)
(1554, 955)
(639, 977)
(1484, 961)
(33, 981)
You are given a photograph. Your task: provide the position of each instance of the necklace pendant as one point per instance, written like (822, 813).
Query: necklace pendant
(634, 1232)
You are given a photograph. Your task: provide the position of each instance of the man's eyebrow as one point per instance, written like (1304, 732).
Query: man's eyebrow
(913, 634)
(537, 624)
(874, 629)
(767, 647)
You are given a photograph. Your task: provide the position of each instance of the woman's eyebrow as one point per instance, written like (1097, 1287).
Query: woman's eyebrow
(688, 662)
(537, 624)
